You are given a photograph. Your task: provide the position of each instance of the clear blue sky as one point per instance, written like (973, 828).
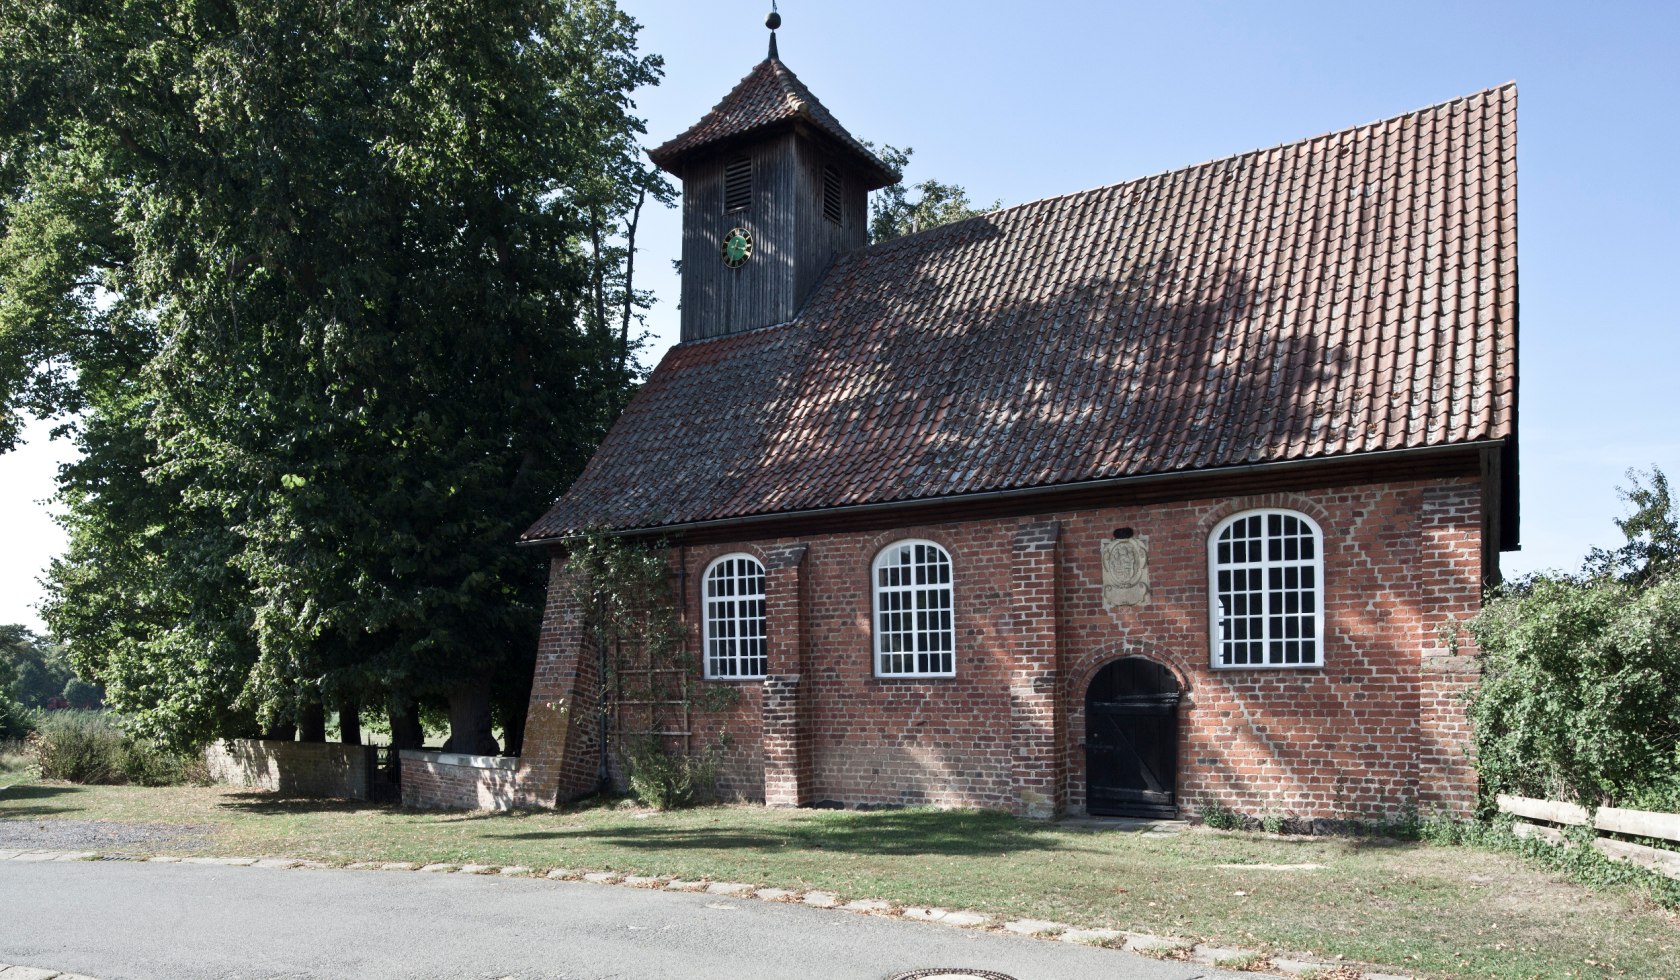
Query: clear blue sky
(1022, 101)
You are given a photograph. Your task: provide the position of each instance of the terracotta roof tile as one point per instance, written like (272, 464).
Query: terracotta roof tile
(1351, 293)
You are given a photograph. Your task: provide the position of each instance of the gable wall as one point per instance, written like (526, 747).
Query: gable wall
(1379, 729)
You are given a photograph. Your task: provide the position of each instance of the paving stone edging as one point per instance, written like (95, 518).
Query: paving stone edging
(36, 973)
(1162, 947)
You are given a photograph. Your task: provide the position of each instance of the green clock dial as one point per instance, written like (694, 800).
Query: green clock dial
(737, 247)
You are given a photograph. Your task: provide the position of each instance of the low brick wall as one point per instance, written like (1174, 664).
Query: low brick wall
(294, 768)
(450, 780)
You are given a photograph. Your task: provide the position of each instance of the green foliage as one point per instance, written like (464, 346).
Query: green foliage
(93, 747)
(80, 694)
(626, 587)
(1219, 816)
(1575, 857)
(893, 213)
(1652, 549)
(646, 687)
(16, 721)
(40, 669)
(667, 780)
(1580, 692)
(15, 756)
(337, 298)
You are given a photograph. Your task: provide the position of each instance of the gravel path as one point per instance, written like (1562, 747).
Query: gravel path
(99, 835)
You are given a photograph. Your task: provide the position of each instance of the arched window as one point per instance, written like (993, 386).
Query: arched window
(914, 632)
(1266, 572)
(732, 597)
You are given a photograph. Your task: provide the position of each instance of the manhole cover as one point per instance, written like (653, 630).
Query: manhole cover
(945, 973)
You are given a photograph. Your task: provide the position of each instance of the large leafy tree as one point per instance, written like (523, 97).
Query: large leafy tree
(1652, 548)
(325, 290)
(40, 670)
(901, 209)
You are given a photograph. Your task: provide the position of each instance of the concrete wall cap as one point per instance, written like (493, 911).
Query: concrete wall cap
(461, 759)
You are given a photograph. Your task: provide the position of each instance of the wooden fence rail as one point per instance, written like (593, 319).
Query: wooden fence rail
(1609, 819)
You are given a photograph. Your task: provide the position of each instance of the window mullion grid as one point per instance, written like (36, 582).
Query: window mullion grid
(917, 625)
(740, 622)
(732, 626)
(1253, 591)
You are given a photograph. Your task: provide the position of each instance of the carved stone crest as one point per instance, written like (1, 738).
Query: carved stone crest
(1125, 572)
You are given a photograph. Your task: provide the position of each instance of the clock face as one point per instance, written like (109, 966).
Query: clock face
(737, 247)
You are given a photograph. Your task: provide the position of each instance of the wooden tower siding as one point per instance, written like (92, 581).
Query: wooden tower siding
(793, 243)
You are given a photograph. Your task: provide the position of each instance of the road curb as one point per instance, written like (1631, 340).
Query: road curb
(37, 973)
(1138, 943)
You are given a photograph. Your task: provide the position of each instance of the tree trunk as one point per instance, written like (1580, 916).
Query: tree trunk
(406, 732)
(469, 721)
(349, 721)
(629, 284)
(513, 725)
(312, 722)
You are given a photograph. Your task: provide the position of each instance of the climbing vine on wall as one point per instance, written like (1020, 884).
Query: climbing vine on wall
(634, 618)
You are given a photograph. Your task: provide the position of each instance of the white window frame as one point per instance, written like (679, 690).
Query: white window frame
(1215, 614)
(710, 622)
(875, 612)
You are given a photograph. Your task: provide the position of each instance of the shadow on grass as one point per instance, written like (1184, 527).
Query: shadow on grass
(275, 804)
(10, 797)
(905, 832)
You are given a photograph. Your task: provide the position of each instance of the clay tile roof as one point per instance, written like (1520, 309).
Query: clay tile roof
(771, 95)
(1351, 293)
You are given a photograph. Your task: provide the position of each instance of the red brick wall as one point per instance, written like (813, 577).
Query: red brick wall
(1345, 740)
(1377, 729)
(559, 758)
(447, 780)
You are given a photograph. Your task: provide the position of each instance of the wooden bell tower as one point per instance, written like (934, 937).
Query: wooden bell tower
(774, 189)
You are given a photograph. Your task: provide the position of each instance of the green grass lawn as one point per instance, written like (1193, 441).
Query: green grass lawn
(15, 763)
(1435, 911)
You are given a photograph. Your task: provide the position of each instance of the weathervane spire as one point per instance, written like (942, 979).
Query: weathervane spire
(773, 21)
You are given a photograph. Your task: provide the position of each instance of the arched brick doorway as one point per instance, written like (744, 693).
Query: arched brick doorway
(1131, 740)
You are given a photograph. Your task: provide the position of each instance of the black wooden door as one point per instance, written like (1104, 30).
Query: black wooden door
(1131, 741)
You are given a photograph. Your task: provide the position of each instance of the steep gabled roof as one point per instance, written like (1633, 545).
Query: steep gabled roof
(770, 96)
(1351, 293)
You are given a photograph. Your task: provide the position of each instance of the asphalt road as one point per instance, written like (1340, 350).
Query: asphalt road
(117, 920)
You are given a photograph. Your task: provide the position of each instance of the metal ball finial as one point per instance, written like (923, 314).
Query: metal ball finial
(774, 20)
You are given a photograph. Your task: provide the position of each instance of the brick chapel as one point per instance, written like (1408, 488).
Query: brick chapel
(1121, 502)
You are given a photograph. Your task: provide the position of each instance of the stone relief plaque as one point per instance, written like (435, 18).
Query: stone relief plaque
(1125, 572)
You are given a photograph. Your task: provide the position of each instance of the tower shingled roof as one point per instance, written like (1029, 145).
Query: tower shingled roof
(1348, 294)
(771, 96)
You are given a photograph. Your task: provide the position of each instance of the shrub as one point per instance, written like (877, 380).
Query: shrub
(81, 747)
(667, 780)
(92, 747)
(16, 721)
(1219, 816)
(1580, 692)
